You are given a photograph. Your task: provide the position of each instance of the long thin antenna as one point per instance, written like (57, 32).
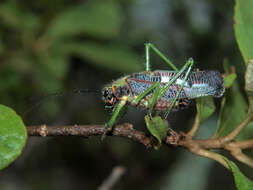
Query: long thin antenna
(58, 94)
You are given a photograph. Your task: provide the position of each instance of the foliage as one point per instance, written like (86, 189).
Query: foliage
(156, 127)
(42, 51)
(12, 136)
(243, 28)
(205, 108)
(242, 182)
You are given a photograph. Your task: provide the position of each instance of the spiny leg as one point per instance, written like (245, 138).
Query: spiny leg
(147, 47)
(161, 91)
(158, 94)
(190, 63)
(115, 114)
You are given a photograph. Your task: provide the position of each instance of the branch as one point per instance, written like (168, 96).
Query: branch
(199, 147)
(124, 130)
(238, 129)
(235, 149)
(195, 126)
(242, 144)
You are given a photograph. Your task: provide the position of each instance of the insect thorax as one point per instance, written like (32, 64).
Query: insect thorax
(113, 92)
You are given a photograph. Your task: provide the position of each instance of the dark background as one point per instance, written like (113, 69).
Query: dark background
(49, 47)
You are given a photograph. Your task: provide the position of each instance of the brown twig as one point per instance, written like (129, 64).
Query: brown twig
(235, 149)
(242, 144)
(124, 130)
(195, 126)
(238, 129)
(199, 147)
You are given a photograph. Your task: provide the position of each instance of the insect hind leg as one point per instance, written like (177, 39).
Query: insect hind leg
(188, 64)
(159, 53)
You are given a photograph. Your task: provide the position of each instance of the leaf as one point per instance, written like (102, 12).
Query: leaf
(19, 19)
(233, 111)
(249, 84)
(54, 63)
(229, 80)
(50, 69)
(101, 19)
(249, 77)
(112, 56)
(226, 66)
(205, 107)
(229, 76)
(156, 127)
(241, 181)
(8, 14)
(244, 28)
(12, 136)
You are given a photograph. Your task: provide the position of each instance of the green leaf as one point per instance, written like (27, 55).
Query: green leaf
(12, 136)
(226, 66)
(51, 68)
(229, 80)
(54, 63)
(249, 77)
(112, 56)
(205, 107)
(156, 127)
(233, 111)
(9, 14)
(249, 84)
(234, 107)
(244, 28)
(100, 19)
(18, 18)
(241, 181)
(229, 76)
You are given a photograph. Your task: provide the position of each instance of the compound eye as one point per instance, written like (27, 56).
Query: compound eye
(106, 93)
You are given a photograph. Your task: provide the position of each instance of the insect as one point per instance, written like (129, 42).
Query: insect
(161, 90)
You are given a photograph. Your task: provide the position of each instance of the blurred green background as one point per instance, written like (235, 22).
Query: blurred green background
(63, 45)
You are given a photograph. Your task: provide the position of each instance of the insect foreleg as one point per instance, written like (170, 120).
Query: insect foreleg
(115, 114)
(190, 62)
(149, 45)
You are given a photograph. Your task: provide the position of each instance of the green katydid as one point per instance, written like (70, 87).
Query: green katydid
(161, 90)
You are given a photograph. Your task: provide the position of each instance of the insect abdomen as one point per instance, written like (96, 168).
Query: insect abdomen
(204, 83)
(200, 83)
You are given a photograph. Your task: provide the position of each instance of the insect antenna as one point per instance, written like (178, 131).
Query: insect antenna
(85, 91)
(53, 95)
